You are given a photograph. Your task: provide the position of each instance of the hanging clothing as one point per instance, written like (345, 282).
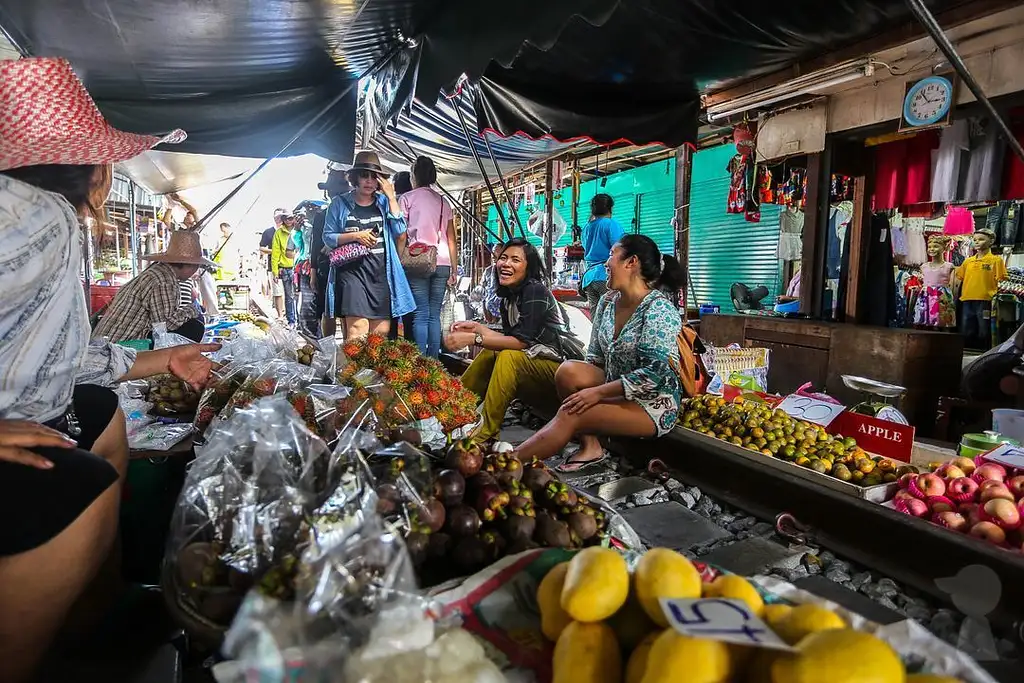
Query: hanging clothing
(903, 171)
(946, 174)
(1013, 170)
(749, 184)
(986, 163)
(791, 228)
(1004, 219)
(959, 221)
(917, 247)
(880, 287)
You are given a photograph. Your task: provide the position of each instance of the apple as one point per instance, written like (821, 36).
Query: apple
(971, 512)
(962, 489)
(1016, 485)
(903, 494)
(997, 491)
(915, 507)
(905, 479)
(927, 485)
(950, 471)
(965, 464)
(987, 531)
(940, 504)
(989, 470)
(950, 520)
(1001, 512)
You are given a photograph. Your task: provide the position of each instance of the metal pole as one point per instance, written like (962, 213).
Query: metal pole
(927, 20)
(504, 187)
(480, 165)
(549, 219)
(133, 227)
(87, 261)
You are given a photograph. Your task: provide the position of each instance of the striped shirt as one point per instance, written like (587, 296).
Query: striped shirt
(154, 296)
(44, 322)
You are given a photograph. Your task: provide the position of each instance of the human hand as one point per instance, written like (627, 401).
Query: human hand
(470, 326)
(386, 186)
(459, 340)
(582, 401)
(17, 436)
(188, 363)
(365, 238)
(453, 279)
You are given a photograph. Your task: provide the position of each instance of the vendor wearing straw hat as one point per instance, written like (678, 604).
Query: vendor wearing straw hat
(63, 449)
(155, 295)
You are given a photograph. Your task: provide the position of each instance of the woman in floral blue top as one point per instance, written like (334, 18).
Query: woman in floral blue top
(627, 386)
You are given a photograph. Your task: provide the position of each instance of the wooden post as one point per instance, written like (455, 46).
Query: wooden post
(857, 237)
(549, 219)
(812, 269)
(681, 220)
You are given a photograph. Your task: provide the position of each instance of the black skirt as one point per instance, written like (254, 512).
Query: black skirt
(39, 504)
(361, 289)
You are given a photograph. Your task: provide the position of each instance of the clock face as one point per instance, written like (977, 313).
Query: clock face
(928, 101)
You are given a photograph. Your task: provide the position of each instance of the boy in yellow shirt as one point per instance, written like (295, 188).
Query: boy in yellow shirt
(979, 277)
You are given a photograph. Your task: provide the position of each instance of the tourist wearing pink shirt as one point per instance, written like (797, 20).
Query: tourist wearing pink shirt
(429, 218)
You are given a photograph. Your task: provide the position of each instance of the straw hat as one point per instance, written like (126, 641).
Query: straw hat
(184, 248)
(48, 117)
(369, 161)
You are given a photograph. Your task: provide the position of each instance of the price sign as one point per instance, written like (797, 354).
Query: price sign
(729, 621)
(810, 409)
(1007, 455)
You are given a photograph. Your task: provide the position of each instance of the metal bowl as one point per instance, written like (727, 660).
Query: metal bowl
(871, 386)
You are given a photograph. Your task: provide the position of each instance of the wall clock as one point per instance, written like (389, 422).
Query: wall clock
(928, 102)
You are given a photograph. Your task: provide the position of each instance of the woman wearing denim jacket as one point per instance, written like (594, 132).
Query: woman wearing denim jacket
(368, 291)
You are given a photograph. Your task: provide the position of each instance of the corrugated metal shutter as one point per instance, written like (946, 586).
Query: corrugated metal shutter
(724, 247)
(656, 211)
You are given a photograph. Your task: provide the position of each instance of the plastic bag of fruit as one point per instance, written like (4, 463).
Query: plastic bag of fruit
(247, 509)
(275, 376)
(171, 396)
(224, 382)
(321, 356)
(162, 339)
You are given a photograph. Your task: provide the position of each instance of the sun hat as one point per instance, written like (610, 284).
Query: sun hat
(184, 247)
(48, 117)
(369, 161)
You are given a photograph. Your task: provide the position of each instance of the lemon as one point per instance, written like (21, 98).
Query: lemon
(664, 573)
(675, 658)
(840, 656)
(775, 613)
(804, 620)
(586, 653)
(596, 584)
(637, 664)
(549, 600)
(736, 588)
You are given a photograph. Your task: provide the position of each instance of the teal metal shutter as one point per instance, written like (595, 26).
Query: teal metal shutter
(725, 247)
(656, 211)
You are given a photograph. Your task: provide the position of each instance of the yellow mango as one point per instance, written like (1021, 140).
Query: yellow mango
(840, 656)
(775, 613)
(631, 623)
(637, 664)
(675, 658)
(549, 600)
(931, 678)
(804, 620)
(587, 653)
(596, 584)
(664, 573)
(735, 587)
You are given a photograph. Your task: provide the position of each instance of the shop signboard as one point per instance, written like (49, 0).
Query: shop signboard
(881, 437)
(1007, 455)
(810, 409)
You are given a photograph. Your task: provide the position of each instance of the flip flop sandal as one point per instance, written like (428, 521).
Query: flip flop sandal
(570, 465)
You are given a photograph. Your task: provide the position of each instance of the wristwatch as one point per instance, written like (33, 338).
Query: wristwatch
(478, 340)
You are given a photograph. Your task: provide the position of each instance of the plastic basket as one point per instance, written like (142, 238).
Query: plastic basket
(137, 344)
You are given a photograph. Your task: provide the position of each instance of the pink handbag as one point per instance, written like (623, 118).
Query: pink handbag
(347, 253)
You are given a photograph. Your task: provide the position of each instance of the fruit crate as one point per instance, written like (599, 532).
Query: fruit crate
(875, 494)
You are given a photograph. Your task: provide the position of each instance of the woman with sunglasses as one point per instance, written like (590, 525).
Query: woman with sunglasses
(366, 287)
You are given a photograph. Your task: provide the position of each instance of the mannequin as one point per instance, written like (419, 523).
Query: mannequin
(979, 276)
(935, 307)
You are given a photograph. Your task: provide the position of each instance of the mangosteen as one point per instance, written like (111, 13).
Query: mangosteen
(495, 543)
(465, 457)
(470, 553)
(388, 499)
(519, 528)
(478, 482)
(453, 487)
(418, 544)
(438, 546)
(463, 521)
(583, 525)
(537, 478)
(552, 533)
(431, 514)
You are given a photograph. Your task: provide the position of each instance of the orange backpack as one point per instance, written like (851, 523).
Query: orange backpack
(693, 376)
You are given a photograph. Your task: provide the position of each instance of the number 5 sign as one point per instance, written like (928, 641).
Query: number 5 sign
(810, 409)
(730, 621)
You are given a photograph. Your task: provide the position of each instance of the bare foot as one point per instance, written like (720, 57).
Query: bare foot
(586, 455)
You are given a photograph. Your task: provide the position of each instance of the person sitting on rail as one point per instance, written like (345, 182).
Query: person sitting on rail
(628, 385)
(63, 449)
(521, 360)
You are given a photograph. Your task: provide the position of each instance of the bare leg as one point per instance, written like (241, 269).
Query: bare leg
(621, 418)
(571, 377)
(38, 587)
(356, 327)
(379, 326)
(279, 306)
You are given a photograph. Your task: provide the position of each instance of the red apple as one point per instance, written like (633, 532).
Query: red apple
(962, 490)
(905, 479)
(987, 531)
(928, 484)
(950, 471)
(1001, 512)
(915, 507)
(971, 512)
(950, 520)
(902, 494)
(996, 491)
(1016, 485)
(940, 504)
(989, 470)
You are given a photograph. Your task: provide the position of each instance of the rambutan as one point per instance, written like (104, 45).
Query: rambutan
(375, 340)
(415, 398)
(433, 397)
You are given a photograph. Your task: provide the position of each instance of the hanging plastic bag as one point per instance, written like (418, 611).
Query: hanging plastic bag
(273, 377)
(538, 225)
(162, 339)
